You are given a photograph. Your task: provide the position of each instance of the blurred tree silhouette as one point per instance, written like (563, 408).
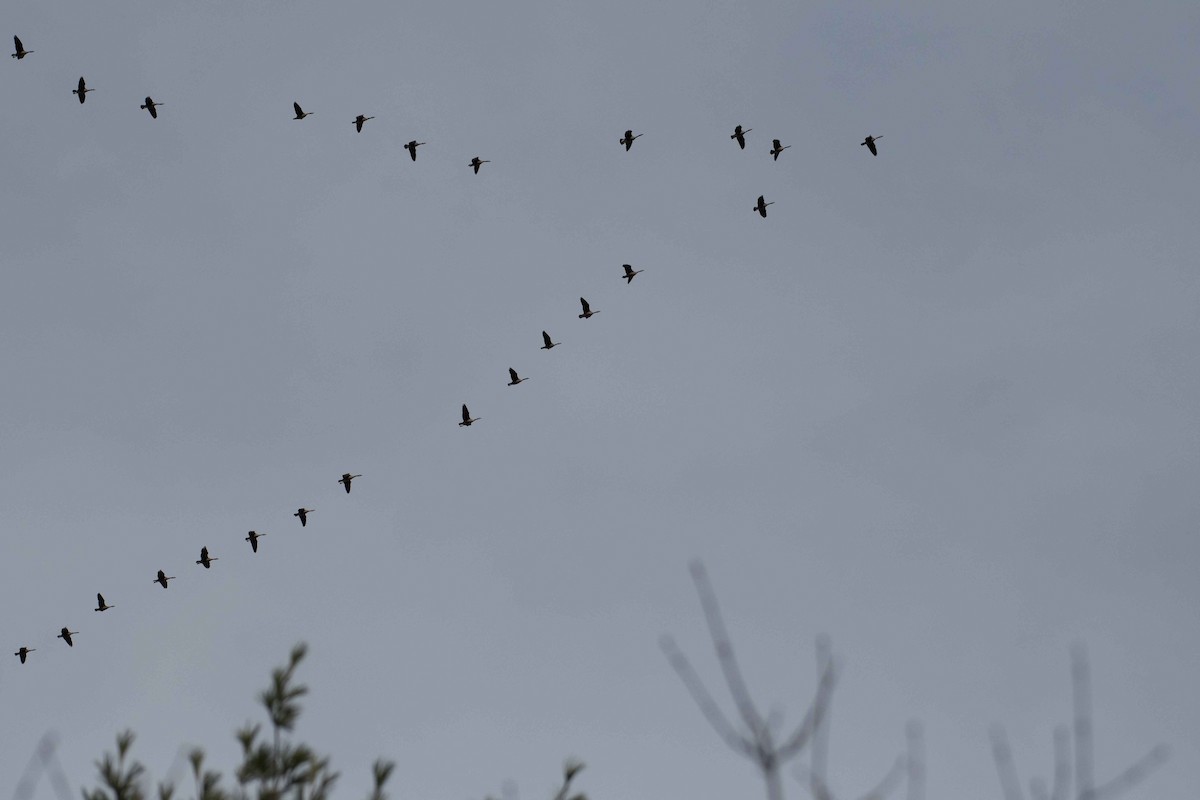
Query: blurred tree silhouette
(273, 766)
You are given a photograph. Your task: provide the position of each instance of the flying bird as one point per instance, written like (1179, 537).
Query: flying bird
(24, 652)
(303, 515)
(82, 90)
(548, 344)
(66, 636)
(100, 604)
(740, 135)
(467, 420)
(587, 309)
(359, 120)
(346, 478)
(411, 147)
(870, 143)
(761, 208)
(253, 538)
(162, 579)
(152, 107)
(628, 140)
(512, 373)
(301, 113)
(777, 148)
(21, 52)
(476, 162)
(629, 273)
(204, 558)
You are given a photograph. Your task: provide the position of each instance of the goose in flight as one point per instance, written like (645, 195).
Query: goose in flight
(870, 143)
(587, 309)
(476, 162)
(303, 513)
(761, 208)
(24, 652)
(548, 344)
(629, 273)
(777, 148)
(346, 478)
(163, 578)
(628, 140)
(20, 53)
(359, 120)
(467, 420)
(66, 636)
(301, 113)
(100, 604)
(740, 136)
(152, 107)
(82, 90)
(512, 373)
(411, 147)
(253, 538)
(205, 560)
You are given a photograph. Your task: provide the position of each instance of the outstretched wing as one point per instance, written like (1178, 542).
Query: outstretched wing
(512, 373)
(466, 414)
(299, 111)
(546, 338)
(17, 42)
(586, 308)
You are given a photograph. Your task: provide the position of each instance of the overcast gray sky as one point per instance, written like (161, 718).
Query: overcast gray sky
(941, 404)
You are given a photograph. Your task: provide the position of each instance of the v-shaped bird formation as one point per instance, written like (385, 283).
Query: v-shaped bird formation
(152, 106)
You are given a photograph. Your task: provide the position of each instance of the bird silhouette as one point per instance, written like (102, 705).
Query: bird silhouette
(253, 538)
(301, 113)
(761, 207)
(346, 478)
(740, 136)
(587, 309)
(467, 421)
(205, 560)
(512, 373)
(359, 120)
(100, 604)
(476, 162)
(24, 652)
(163, 579)
(548, 344)
(629, 273)
(20, 53)
(627, 140)
(66, 637)
(777, 148)
(152, 107)
(870, 143)
(303, 515)
(411, 147)
(82, 90)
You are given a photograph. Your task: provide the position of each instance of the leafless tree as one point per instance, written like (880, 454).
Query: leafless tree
(1084, 773)
(758, 741)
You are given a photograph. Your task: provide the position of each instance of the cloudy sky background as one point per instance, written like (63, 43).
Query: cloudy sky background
(940, 404)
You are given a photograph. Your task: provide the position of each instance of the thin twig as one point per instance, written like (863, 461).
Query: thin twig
(703, 699)
(724, 648)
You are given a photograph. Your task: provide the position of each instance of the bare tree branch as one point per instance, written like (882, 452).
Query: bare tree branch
(1134, 775)
(1081, 691)
(816, 712)
(1062, 763)
(724, 648)
(819, 754)
(1010, 784)
(703, 699)
(915, 760)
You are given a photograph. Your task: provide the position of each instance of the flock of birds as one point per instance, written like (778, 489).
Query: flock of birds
(150, 105)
